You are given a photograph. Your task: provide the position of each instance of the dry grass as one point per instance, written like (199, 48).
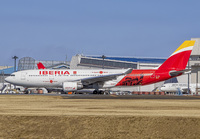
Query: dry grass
(54, 117)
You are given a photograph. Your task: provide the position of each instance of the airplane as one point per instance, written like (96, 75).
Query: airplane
(71, 80)
(183, 87)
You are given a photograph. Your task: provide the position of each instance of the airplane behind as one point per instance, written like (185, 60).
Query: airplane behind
(73, 80)
(174, 87)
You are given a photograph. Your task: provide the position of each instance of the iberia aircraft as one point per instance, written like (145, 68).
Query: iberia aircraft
(73, 80)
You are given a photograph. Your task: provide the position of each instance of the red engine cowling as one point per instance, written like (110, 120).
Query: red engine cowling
(71, 86)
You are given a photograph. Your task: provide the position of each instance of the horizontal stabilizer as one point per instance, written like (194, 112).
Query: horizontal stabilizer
(175, 73)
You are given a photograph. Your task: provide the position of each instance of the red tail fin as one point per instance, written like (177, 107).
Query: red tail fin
(178, 60)
(40, 66)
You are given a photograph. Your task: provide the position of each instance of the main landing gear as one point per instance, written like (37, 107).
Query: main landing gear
(98, 92)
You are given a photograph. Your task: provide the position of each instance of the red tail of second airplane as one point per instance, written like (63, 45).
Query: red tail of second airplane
(40, 66)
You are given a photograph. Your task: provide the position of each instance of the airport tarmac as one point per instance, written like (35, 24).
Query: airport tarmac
(92, 96)
(128, 97)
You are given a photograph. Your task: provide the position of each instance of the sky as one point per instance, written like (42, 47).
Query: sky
(56, 29)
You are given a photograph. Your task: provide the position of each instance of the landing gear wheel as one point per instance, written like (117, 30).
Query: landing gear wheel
(95, 92)
(101, 92)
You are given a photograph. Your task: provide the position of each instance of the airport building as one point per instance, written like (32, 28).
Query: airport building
(195, 64)
(4, 72)
(27, 63)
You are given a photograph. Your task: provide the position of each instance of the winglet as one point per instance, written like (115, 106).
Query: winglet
(128, 71)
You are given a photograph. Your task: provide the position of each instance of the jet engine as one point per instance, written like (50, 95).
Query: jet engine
(71, 86)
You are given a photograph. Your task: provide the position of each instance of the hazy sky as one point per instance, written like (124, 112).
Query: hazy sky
(52, 29)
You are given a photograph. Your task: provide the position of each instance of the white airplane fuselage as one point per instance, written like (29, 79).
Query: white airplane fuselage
(56, 78)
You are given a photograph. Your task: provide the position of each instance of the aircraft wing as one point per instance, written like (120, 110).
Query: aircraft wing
(91, 80)
(175, 73)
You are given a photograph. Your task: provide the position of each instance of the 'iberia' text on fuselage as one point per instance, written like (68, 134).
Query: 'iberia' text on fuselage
(53, 72)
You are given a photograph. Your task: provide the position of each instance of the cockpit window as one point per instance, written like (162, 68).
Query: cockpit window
(12, 75)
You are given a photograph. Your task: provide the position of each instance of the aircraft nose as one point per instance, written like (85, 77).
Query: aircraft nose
(8, 79)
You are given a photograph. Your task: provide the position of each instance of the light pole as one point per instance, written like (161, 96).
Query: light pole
(188, 91)
(15, 58)
(103, 56)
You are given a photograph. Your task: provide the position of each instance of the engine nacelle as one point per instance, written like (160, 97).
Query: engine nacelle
(71, 86)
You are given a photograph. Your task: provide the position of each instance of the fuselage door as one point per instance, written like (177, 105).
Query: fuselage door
(23, 76)
(51, 77)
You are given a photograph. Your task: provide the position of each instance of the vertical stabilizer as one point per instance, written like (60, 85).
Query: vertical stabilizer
(178, 60)
(40, 66)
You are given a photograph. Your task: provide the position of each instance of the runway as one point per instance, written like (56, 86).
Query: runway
(128, 97)
(92, 96)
